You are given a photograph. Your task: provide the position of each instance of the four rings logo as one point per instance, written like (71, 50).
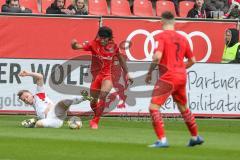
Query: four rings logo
(150, 40)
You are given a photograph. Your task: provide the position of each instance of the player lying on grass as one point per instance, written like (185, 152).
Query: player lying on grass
(48, 114)
(169, 57)
(104, 50)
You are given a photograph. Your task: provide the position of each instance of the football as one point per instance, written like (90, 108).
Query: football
(74, 123)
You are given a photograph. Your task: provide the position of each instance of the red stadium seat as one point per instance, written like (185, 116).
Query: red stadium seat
(142, 8)
(31, 4)
(120, 8)
(46, 4)
(68, 3)
(2, 2)
(184, 7)
(162, 6)
(97, 7)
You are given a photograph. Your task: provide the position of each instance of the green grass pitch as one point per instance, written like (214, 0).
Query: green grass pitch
(118, 139)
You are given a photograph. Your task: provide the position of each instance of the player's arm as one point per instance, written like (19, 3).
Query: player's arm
(123, 64)
(191, 60)
(37, 76)
(47, 109)
(155, 61)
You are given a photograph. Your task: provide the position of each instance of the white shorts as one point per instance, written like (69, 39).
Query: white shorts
(52, 122)
(55, 117)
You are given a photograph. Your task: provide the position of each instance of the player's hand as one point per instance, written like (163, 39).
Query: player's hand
(22, 8)
(148, 78)
(74, 44)
(24, 73)
(66, 11)
(73, 11)
(129, 79)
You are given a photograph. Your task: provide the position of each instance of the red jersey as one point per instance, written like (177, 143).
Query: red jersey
(102, 56)
(174, 48)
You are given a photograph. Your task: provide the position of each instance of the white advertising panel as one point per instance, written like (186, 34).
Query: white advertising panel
(212, 89)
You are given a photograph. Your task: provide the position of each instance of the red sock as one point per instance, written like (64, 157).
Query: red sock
(157, 123)
(99, 110)
(93, 106)
(190, 122)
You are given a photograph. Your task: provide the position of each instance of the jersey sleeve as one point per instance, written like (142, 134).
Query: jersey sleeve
(188, 53)
(40, 92)
(87, 46)
(40, 89)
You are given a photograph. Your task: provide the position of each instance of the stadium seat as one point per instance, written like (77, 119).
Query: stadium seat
(142, 8)
(120, 8)
(2, 2)
(31, 4)
(68, 3)
(184, 7)
(162, 6)
(46, 4)
(97, 7)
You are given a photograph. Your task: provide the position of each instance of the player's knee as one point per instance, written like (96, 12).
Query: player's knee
(154, 106)
(181, 107)
(65, 103)
(103, 95)
(93, 102)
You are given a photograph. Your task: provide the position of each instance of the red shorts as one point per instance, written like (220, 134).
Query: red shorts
(97, 82)
(165, 87)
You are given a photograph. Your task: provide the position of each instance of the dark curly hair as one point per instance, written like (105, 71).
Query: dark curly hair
(105, 32)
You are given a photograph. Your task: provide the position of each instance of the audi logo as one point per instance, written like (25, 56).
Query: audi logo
(150, 40)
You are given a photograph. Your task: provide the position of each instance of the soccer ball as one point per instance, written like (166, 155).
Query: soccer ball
(74, 123)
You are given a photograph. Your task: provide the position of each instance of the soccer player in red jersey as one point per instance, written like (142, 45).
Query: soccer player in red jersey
(104, 50)
(169, 57)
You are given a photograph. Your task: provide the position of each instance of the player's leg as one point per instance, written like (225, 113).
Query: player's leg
(55, 116)
(39, 124)
(161, 92)
(105, 89)
(94, 92)
(180, 98)
(158, 126)
(49, 123)
(68, 102)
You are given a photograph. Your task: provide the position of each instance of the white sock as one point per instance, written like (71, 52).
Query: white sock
(194, 137)
(77, 100)
(163, 140)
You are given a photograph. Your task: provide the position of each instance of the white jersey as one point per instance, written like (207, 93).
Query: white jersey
(41, 102)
